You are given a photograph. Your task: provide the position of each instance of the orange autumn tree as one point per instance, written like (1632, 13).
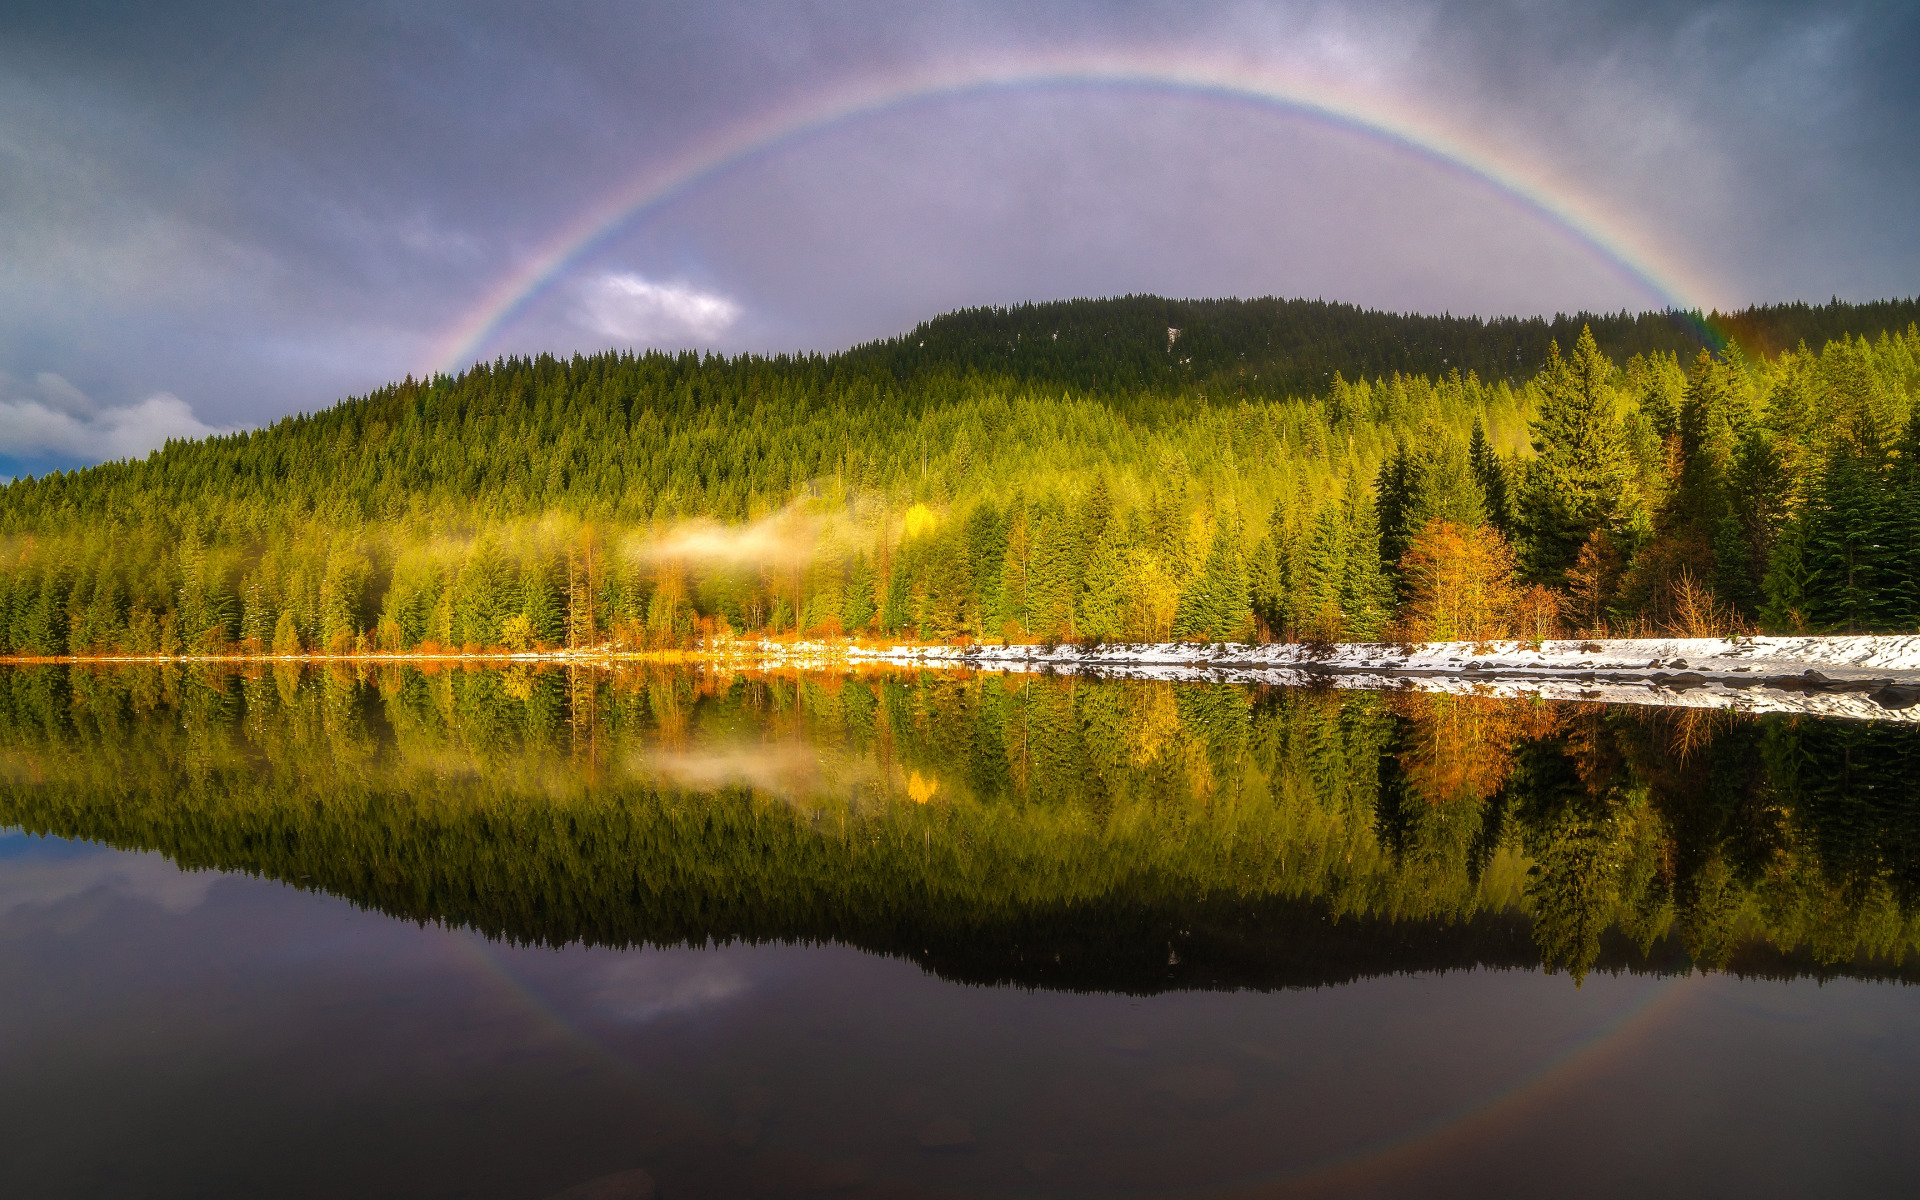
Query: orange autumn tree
(1459, 583)
(1462, 747)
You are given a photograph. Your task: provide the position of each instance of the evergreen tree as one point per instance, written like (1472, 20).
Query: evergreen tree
(1053, 574)
(342, 595)
(479, 600)
(1904, 581)
(897, 612)
(1269, 574)
(1366, 591)
(1786, 583)
(858, 613)
(1851, 556)
(1431, 480)
(1103, 602)
(541, 602)
(1014, 587)
(946, 606)
(1318, 613)
(1394, 489)
(286, 634)
(1491, 474)
(1215, 606)
(987, 551)
(1581, 477)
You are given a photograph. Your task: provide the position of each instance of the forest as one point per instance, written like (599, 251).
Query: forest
(1053, 832)
(1136, 469)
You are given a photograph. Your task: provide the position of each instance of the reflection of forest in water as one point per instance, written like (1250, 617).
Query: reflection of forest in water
(1051, 832)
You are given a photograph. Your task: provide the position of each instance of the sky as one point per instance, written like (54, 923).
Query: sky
(215, 214)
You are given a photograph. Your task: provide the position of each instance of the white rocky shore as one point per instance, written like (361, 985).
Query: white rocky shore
(1872, 678)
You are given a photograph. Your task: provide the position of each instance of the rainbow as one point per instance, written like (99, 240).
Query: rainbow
(1408, 1151)
(1632, 252)
(1391, 1159)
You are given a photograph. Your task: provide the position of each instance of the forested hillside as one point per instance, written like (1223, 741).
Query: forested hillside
(1111, 479)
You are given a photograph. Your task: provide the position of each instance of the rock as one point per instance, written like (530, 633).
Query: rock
(1686, 679)
(635, 1184)
(1896, 696)
(945, 1133)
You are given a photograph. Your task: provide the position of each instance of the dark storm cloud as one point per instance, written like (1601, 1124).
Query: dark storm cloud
(261, 208)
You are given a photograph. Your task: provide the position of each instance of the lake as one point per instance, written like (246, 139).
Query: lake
(484, 932)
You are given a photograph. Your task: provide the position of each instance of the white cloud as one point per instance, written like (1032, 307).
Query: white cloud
(41, 883)
(629, 308)
(651, 985)
(63, 422)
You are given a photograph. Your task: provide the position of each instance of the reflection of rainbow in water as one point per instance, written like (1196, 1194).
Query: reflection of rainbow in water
(1634, 255)
(478, 950)
(1371, 1163)
(555, 1026)
(1380, 1160)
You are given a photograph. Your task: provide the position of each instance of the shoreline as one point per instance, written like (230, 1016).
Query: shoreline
(1872, 677)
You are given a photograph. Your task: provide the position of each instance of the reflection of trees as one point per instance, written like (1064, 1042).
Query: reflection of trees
(1575, 834)
(1455, 747)
(1850, 875)
(792, 809)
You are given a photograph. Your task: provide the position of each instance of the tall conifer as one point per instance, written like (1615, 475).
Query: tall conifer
(1581, 476)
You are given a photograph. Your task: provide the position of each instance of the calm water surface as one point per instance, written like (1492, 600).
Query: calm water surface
(506, 933)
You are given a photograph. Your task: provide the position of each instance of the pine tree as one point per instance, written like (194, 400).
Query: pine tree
(1904, 568)
(1318, 614)
(1432, 479)
(1053, 574)
(1269, 577)
(286, 634)
(1104, 598)
(857, 615)
(541, 601)
(1014, 573)
(897, 612)
(1491, 474)
(1581, 476)
(342, 595)
(193, 605)
(479, 598)
(1787, 581)
(946, 607)
(1851, 559)
(1214, 607)
(987, 551)
(1366, 590)
(1393, 488)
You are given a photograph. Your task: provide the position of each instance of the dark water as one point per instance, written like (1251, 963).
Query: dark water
(502, 933)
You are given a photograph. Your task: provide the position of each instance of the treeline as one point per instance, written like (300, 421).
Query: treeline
(1272, 348)
(1001, 824)
(653, 500)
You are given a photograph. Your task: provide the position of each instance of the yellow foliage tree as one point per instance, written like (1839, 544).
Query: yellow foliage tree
(1460, 584)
